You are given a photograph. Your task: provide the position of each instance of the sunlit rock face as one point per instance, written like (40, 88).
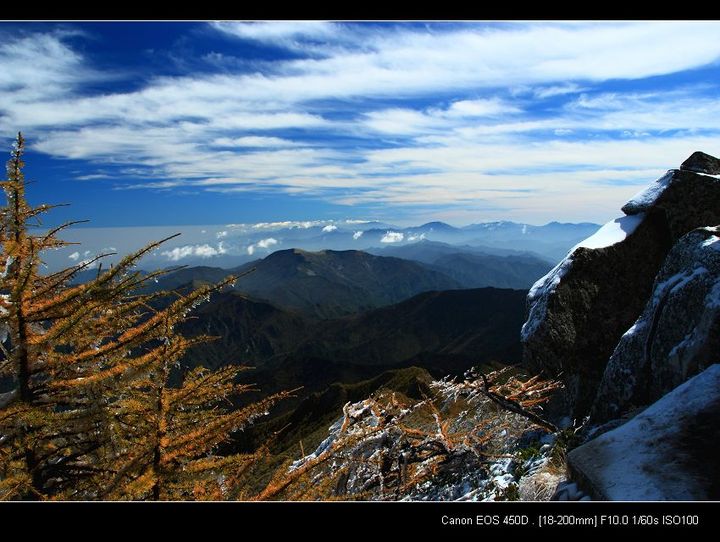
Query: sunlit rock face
(578, 313)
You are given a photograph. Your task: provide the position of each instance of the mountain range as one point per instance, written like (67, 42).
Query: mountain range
(232, 245)
(551, 241)
(445, 332)
(474, 267)
(330, 284)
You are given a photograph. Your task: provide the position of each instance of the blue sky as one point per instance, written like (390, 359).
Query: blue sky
(211, 123)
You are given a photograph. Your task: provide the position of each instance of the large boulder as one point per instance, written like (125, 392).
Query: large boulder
(700, 162)
(667, 452)
(677, 335)
(580, 310)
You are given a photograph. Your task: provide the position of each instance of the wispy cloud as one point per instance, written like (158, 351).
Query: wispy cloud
(280, 32)
(254, 141)
(556, 90)
(399, 115)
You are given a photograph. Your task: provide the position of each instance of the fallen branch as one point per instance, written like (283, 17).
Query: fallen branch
(514, 406)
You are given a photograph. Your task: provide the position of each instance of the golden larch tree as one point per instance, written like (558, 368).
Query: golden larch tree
(88, 412)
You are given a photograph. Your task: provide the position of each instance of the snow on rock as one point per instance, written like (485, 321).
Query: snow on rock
(613, 232)
(380, 445)
(539, 486)
(569, 491)
(539, 294)
(579, 311)
(667, 452)
(676, 336)
(610, 234)
(647, 197)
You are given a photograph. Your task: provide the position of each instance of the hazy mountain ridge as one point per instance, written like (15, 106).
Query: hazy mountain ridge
(329, 284)
(474, 267)
(335, 283)
(232, 245)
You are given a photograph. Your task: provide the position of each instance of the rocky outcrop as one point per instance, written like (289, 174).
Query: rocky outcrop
(667, 452)
(677, 335)
(581, 309)
(700, 162)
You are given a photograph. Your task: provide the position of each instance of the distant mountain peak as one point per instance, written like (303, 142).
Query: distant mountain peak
(437, 224)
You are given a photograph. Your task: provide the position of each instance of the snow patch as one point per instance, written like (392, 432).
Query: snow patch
(635, 462)
(645, 199)
(716, 177)
(637, 327)
(712, 242)
(677, 282)
(610, 234)
(613, 232)
(538, 296)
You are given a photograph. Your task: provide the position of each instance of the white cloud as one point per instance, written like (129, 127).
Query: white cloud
(399, 121)
(416, 237)
(357, 235)
(89, 255)
(279, 31)
(392, 237)
(263, 243)
(557, 90)
(254, 141)
(302, 224)
(202, 251)
(40, 67)
(411, 61)
(221, 234)
(480, 108)
(329, 228)
(403, 121)
(266, 243)
(217, 131)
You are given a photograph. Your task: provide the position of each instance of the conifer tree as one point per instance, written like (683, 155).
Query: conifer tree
(89, 413)
(165, 436)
